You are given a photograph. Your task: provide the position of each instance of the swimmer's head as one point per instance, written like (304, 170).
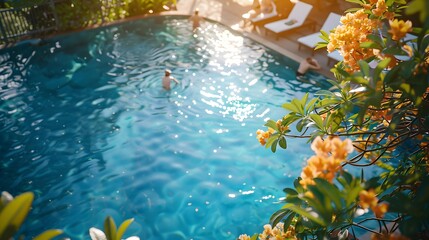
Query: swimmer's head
(167, 72)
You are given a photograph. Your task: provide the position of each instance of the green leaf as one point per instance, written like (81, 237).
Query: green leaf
(123, 228)
(352, 9)
(334, 83)
(320, 203)
(290, 191)
(329, 190)
(298, 186)
(380, 67)
(418, 6)
(14, 214)
(298, 105)
(274, 146)
(300, 124)
(348, 177)
(355, 1)
(290, 118)
(271, 141)
(311, 215)
(317, 120)
(272, 124)
(304, 101)
(364, 66)
(110, 228)
(287, 222)
(325, 93)
(360, 80)
(291, 107)
(376, 39)
(48, 234)
(328, 102)
(278, 216)
(282, 143)
(320, 45)
(311, 105)
(370, 45)
(394, 51)
(324, 36)
(255, 236)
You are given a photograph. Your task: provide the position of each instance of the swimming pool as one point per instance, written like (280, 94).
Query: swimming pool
(86, 126)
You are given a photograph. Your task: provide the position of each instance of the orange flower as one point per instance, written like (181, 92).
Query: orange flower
(408, 49)
(281, 127)
(389, 15)
(244, 237)
(347, 38)
(320, 147)
(380, 9)
(263, 136)
(367, 199)
(399, 29)
(340, 149)
(380, 209)
(327, 161)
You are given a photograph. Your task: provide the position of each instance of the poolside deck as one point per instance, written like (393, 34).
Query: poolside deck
(229, 12)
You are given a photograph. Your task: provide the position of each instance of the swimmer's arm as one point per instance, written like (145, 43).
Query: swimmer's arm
(175, 80)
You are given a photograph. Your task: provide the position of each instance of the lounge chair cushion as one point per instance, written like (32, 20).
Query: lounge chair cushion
(295, 19)
(331, 22)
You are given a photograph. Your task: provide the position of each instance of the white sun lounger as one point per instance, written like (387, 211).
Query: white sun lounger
(296, 18)
(311, 40)
(334, 56)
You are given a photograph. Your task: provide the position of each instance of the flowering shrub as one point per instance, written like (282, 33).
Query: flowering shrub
(376, 114)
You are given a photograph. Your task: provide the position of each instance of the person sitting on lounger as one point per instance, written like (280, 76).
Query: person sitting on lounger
(260, 6)
(307, 64)
(256, 9)
(266, 6)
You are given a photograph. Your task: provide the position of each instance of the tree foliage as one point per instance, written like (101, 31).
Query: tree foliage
(380, 102)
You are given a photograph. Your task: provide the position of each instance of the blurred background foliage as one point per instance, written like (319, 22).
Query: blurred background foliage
(78, 14)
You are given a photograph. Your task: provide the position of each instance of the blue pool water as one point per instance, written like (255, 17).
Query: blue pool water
(85, 125)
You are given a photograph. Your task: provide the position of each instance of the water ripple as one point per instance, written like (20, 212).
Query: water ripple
(86, 125)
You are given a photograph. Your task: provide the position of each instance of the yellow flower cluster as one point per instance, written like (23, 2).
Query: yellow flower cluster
(355, 28)
(262, 136)
(347, 38)
(399, 29)
(380, 8)
(243, 237)
(327, 161)
(281, 127)
(276, 233)
(368, 199)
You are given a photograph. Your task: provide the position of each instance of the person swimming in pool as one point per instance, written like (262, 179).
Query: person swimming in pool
(166, 80)
(195, 20)
(307, 64)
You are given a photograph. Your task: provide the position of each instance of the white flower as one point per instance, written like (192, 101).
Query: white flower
(133, 238)
(6, 198)
(97, 234)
